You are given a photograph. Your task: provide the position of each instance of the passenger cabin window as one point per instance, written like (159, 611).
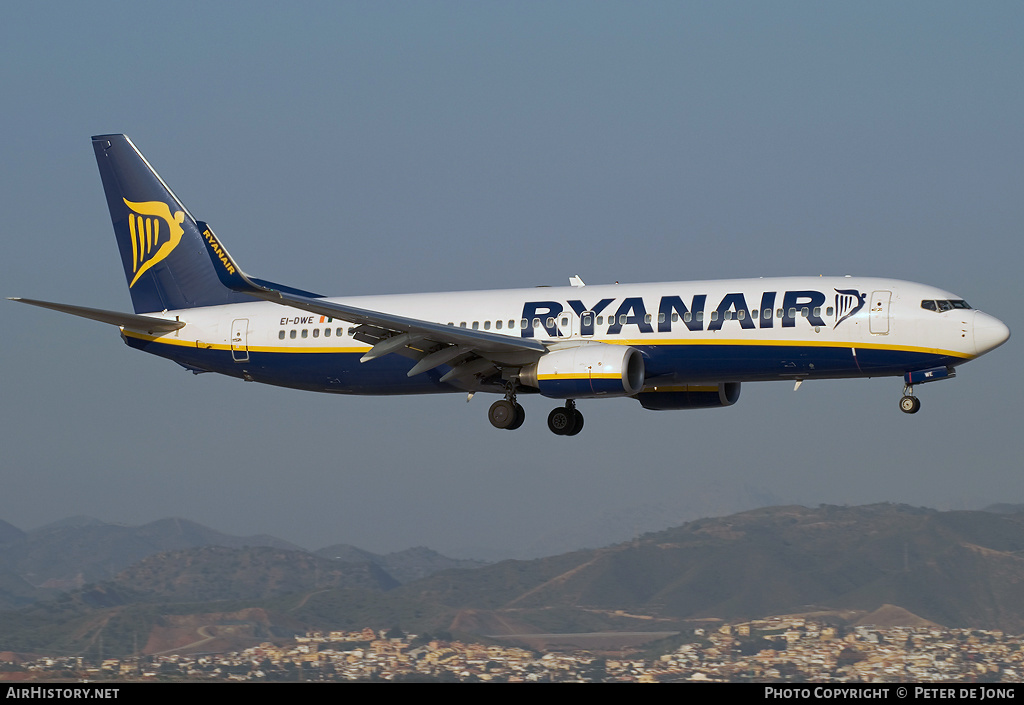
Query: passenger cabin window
(497, 325)
(327, 332)
(487, 325)
(339, 332)
(280, 335)
(305, 333)
(291, 334)
(316, 332)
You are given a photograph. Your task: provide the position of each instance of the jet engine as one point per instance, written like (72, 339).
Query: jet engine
(586, 371)
(689, 396)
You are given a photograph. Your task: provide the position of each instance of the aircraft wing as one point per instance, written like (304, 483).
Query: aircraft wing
(391, 324)
(467, 351)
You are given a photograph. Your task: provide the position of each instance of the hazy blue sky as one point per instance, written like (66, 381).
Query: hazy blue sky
(355, 148)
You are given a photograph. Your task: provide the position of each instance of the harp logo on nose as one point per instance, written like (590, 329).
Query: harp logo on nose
(848, 302)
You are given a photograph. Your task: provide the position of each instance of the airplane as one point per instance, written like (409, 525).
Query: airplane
(674, 345)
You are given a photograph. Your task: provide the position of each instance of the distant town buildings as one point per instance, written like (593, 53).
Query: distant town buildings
(775, 649)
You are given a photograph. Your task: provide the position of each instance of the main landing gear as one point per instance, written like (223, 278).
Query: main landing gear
(565, 420)
(507, 413)
(909, 404)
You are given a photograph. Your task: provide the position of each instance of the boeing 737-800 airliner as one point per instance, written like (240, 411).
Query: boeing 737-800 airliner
(675, 345)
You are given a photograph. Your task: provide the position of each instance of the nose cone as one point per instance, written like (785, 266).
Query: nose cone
(989, 332)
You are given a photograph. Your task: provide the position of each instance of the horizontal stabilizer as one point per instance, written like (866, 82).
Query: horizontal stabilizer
(116, 318)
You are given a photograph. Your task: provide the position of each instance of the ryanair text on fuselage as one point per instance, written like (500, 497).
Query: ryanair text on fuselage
(673, 312)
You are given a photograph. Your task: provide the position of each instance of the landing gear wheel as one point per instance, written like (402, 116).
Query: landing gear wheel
(502, 414)
(579, 423)
(562, 421)
(520, 418)
(910, 405)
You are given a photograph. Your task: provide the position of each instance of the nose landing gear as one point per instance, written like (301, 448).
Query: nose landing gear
(909, 404)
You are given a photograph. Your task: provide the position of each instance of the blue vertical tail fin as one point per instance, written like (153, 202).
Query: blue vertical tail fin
(165, 260)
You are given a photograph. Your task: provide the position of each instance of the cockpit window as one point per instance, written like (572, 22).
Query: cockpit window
(944, 304)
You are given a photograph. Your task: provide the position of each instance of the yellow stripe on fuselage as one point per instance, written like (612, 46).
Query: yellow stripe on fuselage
(661, 342)
(681, 342)
(203, 345)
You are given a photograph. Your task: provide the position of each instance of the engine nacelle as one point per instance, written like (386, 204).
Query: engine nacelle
(590, 370)
(689, 396)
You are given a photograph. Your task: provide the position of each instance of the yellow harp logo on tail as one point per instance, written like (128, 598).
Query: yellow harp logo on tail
(151, 242)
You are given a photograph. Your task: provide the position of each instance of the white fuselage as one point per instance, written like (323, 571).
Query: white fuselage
(700, 331)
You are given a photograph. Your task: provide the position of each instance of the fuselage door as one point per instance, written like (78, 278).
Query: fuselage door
(879, 319)
(239, 340)
(583, 325)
